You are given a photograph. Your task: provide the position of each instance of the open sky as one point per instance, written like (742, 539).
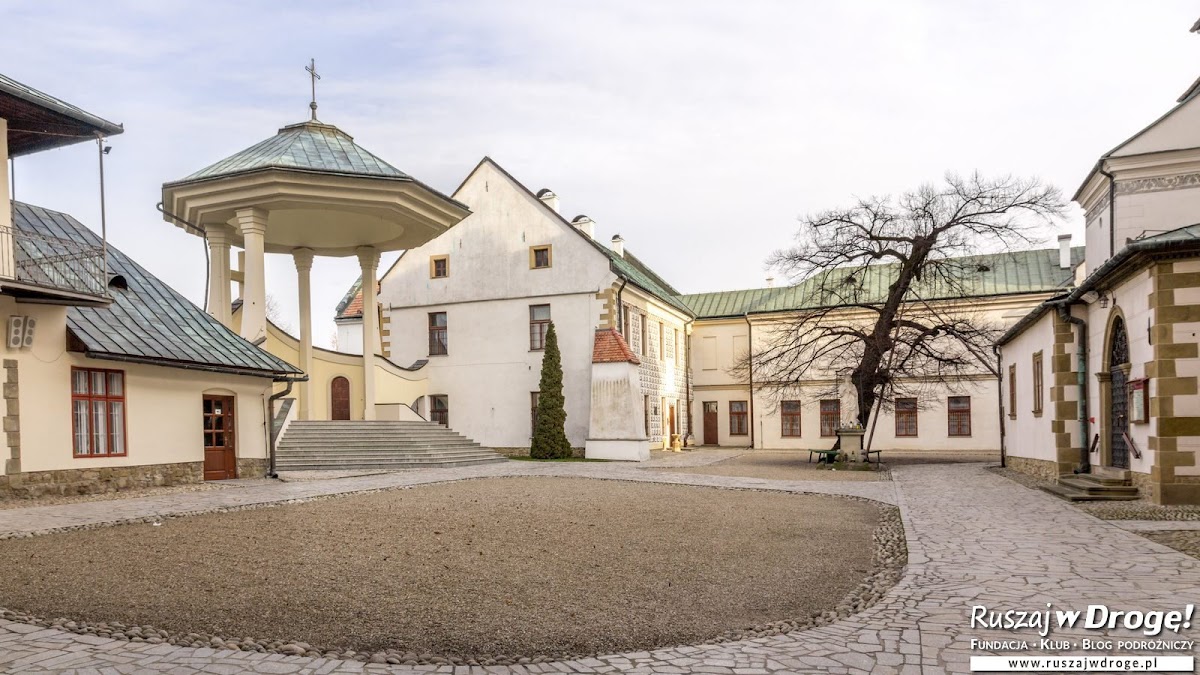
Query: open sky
(698, 130)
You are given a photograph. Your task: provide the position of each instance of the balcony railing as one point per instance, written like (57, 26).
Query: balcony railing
(55, 263)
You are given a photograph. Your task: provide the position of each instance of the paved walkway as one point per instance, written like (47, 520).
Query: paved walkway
(1156, 525)
(974, 538)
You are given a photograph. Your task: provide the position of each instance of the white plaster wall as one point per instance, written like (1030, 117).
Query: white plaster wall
(1027, 435)
(1132, 298)
(489, 253)
(616, 403)
(1146, 214)
(490, 371)
(1180, 129)
(349, 336)
(163, 405)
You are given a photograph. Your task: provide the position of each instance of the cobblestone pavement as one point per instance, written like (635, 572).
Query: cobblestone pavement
(974, 538)
(1156, 525)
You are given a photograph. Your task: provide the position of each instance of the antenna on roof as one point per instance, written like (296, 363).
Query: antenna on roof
(312, 72)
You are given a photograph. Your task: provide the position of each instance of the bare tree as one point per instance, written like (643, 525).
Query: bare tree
(275, 315)
(871, 283)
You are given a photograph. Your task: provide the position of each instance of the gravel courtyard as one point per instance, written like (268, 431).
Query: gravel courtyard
(783, 465)
(484, 567)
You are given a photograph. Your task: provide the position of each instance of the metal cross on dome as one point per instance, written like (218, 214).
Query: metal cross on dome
(312, 71)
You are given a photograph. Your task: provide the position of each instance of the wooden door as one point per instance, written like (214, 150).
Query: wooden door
(671, 412)
(1118, 419)
(220, 456)
(339, 397)
(710, 423)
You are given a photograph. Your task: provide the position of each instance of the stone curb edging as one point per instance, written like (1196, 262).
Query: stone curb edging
(889, 560)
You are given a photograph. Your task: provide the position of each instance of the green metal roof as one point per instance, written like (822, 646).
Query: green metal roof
(1008, 273)
(148, 321)
(642, 276)
(308, 146)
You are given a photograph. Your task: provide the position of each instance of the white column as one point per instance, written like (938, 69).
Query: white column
(218, 272)
(303, 258)
(368, 258)
(252, 223)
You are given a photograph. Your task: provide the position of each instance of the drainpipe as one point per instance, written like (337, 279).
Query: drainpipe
(271, 473)
(1064, 312)
(687, 378)
(1000, 401)
(750, 372)
(1112, 210)
(621, 307)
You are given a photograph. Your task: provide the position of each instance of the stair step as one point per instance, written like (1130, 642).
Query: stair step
(1097, 479)
(326, 466)
(1073, 495)
(317, 445)
(1094, 488)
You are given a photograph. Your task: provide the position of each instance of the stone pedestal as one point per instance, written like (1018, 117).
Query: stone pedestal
(852, 444)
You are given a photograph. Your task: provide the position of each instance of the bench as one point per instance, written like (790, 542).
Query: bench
(873, 452)
(826, 456)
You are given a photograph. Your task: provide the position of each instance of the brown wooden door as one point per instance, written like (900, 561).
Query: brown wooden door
(220, 455)
(710, 423)
(671, 411)
(339, 396)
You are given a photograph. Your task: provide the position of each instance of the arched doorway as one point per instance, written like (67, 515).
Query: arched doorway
(339, 398)
(1118, 420)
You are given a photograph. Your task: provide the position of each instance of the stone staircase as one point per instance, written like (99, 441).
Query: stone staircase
(332, 446)
(1103, 484)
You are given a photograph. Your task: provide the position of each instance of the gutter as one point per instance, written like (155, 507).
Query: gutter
(750, 373)
(621, 307)
(1064, 312)
(1000, 403)
(276, 376)
(271, 473)
(687, 379)
(1112, 208)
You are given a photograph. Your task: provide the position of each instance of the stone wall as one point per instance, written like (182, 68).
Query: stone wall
(1175, 400)
(1035, 467)
(252, 467)
(86, 481)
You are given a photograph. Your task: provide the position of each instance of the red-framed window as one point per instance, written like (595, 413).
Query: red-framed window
(98, 412)
(959, 416)
(831, 416)
(906, 417)
(790, 414)
(738, 422)
(438, 342)
(539, 323)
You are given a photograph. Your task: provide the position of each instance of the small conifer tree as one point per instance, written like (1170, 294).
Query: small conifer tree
(550, 435)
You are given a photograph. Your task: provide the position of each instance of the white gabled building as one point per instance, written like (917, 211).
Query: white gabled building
(476, 302)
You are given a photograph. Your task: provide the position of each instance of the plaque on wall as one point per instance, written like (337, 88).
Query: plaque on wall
(1139, 397)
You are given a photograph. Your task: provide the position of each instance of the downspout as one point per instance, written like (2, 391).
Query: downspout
(750, 373)
(271, 473)
(621, 307)
(1112, 209)
(1000, 401)
(1064, 312)
(687, 378)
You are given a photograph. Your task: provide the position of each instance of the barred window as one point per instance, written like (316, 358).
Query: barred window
(539, 323)
(906, 417)
(959, 415)
(439, 409)
(738, 423)
(831, 416)
(438, 345)
(790, 414)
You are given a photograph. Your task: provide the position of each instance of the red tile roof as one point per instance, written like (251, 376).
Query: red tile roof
(353, 308)
(610, 347)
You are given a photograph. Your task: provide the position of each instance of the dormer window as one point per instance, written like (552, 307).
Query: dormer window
(540, 257)
(439, 266)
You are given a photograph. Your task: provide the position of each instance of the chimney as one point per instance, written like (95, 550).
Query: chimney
(586, 225)
(770, 282)
(1064, 251)
(547, 195)
(618, 245)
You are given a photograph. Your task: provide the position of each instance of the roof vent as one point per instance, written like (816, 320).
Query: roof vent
(771, 282)
(118, 282)
(548, 198)
(983, 267)
(586, 225)
(618, 245)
